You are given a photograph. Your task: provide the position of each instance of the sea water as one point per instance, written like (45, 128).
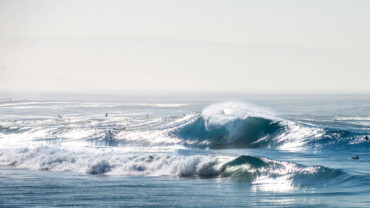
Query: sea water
(184, 150)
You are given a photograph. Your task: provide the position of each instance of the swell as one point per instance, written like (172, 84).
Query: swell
(249, 168)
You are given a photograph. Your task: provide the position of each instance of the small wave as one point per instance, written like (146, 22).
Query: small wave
(8, 130)
(160, 105)
(64, 105)
(357, 118)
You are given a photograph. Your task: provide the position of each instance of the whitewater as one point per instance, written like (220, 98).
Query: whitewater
(217, 150)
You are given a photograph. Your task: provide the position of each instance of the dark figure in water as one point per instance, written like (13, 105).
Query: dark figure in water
(355, 158)
(366, 138)
(221, 137)
(59, 116)
(106, 114)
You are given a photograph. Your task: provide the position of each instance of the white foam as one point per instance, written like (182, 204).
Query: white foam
(295, 136)
(117, 161)
(221, 113)
(356, 118)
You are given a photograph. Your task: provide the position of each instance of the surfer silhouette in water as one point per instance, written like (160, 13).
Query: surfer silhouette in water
(355, 158)
(221, 138)
(106, 114)
(366, 138)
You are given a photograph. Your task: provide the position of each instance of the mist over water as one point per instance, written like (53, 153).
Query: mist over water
(300, 146)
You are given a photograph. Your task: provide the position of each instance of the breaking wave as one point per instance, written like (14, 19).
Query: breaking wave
(238, 125)
(265, 174)
(114, 162)
(219, 126)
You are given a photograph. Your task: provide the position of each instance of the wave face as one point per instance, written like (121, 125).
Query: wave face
(238, 133)
(231, 125)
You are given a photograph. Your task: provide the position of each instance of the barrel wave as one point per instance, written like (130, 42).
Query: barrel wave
(238, 125)
(231, 125)
(238, 133)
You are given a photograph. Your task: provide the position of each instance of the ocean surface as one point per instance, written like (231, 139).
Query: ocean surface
(69, 150)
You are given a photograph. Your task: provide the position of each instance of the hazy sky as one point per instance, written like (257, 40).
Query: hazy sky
(203, 45)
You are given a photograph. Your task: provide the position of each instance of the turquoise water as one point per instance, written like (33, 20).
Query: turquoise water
(184, 151)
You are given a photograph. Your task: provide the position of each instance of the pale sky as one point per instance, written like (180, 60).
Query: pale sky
(203, 45)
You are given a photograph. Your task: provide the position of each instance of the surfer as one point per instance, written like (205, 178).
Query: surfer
(355, 158)
(106, 114)
(59, 116)
(366, 138)
(221, 137)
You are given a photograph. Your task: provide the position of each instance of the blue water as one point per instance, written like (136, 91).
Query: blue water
(184, 150)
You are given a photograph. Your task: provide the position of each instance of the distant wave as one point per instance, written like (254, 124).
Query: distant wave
(357, 118)
(61, 105)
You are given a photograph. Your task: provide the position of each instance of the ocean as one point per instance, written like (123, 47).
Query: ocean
(184, 150)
